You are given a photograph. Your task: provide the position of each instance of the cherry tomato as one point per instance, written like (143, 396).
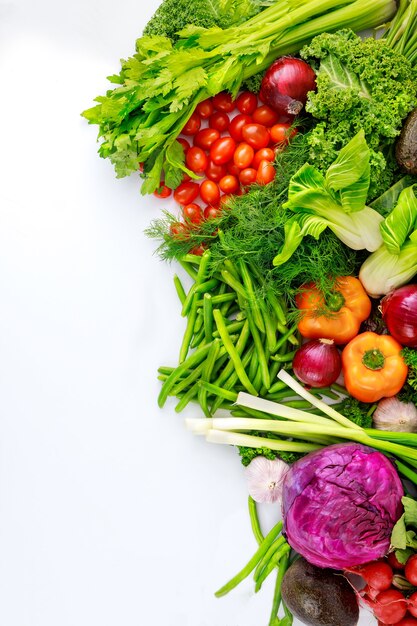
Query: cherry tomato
(248, 176)
(265, 115)
(179, 230)
(282, 133)
(243, 156)
(264, 154)
(265, 173)
(390, 606)
(224, 200)
(236, 125)
(223, 102)
(209, 192)
(206, 137)
(196, 160)
(186, 192)
(205, 108)
(219, 120)
(233, 169)
(211, 212)
(394, 562)
(410, 570)
(198, 250)
(162, 192)
(222, 150)
(247, 102)
(193, 125)
(229, 184)
(192, 213)
(184, 143)
(256, 135)
(215, 172)
(412, 604)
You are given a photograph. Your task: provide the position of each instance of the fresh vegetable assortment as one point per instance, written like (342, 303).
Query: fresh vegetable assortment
(287, 141)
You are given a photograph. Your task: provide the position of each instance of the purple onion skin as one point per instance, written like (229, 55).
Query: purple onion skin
(317, 363)
(340, 505)
(286, 84)
(399, 312)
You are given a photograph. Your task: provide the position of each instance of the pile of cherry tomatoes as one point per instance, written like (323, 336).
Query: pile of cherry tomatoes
(230, 144)
(389, 591)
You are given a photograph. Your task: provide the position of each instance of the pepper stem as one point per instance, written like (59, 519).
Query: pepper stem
(373, 359)
(334, 301)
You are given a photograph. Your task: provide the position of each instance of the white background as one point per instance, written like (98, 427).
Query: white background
(111, 513)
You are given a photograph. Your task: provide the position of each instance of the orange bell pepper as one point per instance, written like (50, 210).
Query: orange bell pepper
(373, 367)
(336, 316)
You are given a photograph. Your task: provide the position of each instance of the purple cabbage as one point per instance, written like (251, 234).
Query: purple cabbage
(340, 504)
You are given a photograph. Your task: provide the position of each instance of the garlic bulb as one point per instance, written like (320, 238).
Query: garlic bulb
(265, 479)
(392, 414)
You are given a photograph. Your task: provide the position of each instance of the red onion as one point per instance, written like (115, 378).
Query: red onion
(399, 312)
(286, 84)
(317, 363)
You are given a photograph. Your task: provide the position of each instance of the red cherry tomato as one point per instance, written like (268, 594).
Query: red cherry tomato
(282, 133)
(198, 250)
(209, 192)
(211, 212)
(222, 150)
(233, 169)
(186, 192)
(243, 155)
(236, 125)
(410, 570)
(215, 172)
(219, 120)
(223, 102)
(192, 213)
(185, 144)
(206, 137)
(196, 160)
(247, 102)
(193, 125)
(179, 230)
(256, 135)
(205, 108)
(265, 173)
(229, 184)
(248, 176)
(224, 200)
(162, 192)
(264, 154)
(412, 604)
(265, 115)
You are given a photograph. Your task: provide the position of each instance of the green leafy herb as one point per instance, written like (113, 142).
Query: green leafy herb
(404, 534)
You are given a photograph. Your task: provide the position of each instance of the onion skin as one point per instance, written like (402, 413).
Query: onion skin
(286, 84)
(399, 312)
(317, 363)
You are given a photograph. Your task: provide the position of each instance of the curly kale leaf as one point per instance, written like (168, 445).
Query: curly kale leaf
(360, 84)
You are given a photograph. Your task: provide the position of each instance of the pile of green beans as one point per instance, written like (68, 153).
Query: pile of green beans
(234, 340)
(273, 553)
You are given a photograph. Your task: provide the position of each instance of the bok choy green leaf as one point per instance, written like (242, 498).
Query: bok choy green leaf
(336, 201)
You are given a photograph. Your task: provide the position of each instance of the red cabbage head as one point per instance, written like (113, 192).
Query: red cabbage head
(340, 504)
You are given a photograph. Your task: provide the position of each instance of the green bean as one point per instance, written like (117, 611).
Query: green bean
(192, 361)
(254, 520)
(257, 380)
(244, 573)
(232, 327)
(231, 267)
(189, 331)
(206, 375)
(263, 365)
(200, 283)
(270, 330)
(208, 317)
(277, 308)
(188, 380)
(278, 543)
(240, 346)
(271, 565)
(167, 370)
(187, 397)
(191, 258)
(284, 358)
(199, 321)
(285, 337)
(179, 289)
(189, 269)
(232, 281)
(278, 386)
(233, 353)
(219, 299)
(218, 391)
(197, 339)
(231, 381)
(208, 285)
(253, 366)
(283, 566)
(258, 318)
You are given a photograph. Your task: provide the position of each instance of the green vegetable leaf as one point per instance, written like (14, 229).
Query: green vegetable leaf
(153, 177)
(342, 78)
(398, 535)
(410, 510)
(351, 165)
(401, 221)
(307, 177)
(295, 230)
(403, 555)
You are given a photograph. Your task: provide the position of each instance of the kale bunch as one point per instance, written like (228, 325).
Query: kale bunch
(360, 84)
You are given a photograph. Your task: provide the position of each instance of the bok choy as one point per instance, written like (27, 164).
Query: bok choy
(336, 201)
